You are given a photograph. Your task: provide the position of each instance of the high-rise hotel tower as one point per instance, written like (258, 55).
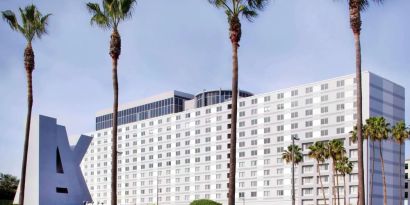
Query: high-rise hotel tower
(174, 147)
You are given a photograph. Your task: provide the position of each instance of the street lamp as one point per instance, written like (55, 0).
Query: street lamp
(294, 137)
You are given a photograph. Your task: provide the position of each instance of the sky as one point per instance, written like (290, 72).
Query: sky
(184, 45)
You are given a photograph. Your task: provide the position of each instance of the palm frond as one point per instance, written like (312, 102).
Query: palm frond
(11, 19)
(33, 22)
(247, 12)
(257, 4)
(42, 24)
(99, 17)
(125, 7)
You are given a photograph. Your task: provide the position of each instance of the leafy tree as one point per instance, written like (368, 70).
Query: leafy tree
(234, 9)
(400, 134)
(317, 151)
(204, 202)
(112, 14)
(33, 25)
(8, 186)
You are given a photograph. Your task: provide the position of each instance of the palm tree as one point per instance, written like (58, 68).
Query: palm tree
(368, 134)
(344, 166)
(293, 155)
(112, 14)
(234, 9)
(355, 9)
(381, 133)
(335, 151)
(400, 134)
(34, 25)
(317, 152)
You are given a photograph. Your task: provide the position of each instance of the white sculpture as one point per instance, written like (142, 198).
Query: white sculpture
(53, 175)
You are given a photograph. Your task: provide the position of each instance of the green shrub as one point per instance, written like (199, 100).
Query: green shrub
(204, 202)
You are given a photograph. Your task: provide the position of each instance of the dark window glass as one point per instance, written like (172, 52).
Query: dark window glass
(61, 190)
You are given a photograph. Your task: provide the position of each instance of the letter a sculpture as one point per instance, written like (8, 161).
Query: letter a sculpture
(53, 171)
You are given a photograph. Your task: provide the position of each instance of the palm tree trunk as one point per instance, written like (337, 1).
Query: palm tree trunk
(29, 66)
(344, 188)
(235, 34)
(321, 183)
(333, 183)
(355, 24)
(232, 159)
(400, 174)
(115, 50)
(372, 173)
(337, 188)
(383, 174)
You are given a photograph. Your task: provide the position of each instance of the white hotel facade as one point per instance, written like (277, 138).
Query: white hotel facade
(174, 147)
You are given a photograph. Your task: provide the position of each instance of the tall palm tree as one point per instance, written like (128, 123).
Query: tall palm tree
(344, 166)
(381, 133)
(293, 155)
(355, 9)
(234, 9)
(335, 151)
(112, 14)
(318, 152)
(400, 134)
(34, 25)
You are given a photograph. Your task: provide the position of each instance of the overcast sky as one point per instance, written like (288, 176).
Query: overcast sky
(183, 45)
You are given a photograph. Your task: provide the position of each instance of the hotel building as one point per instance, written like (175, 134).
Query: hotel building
(174, 147)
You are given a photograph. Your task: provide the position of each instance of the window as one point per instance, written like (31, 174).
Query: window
(340, 118)
(280, 106)
(266, 98)
(294, 126)
(309, 89)
(340, 95)
(340, 107)
(340, 83)
(279, 192)
(309, 101)
(324, 109)
(280, 96)
(294, 103)
(340, 130)
(254, 101)
(324, 98)
(324, 86)
(280, 117)
(308, 123)
(308, 134)
(309, 112)
(279, 139)
(324, 133)
(61, 190)
(294, 93)
(294, 114)
(324, 121)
